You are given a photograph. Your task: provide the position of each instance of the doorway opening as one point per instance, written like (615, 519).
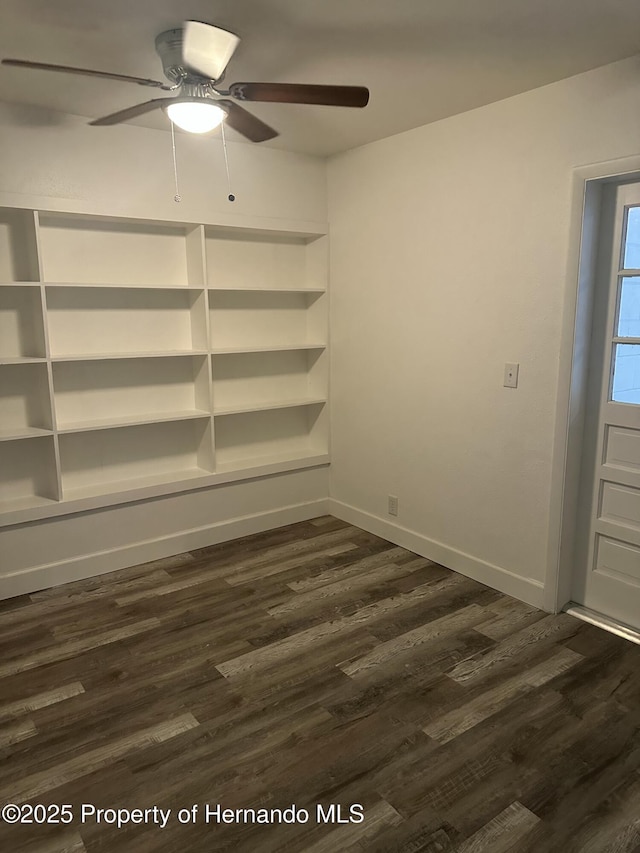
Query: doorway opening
(596, 565)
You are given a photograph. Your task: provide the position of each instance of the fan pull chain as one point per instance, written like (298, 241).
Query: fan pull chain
(231, 196)
(177, 197)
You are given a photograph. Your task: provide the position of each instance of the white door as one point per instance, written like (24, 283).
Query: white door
(608, 570)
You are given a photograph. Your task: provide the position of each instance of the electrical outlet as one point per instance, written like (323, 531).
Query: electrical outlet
(511, 375)
(392, 508)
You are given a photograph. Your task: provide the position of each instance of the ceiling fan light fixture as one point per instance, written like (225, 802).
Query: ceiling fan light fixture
(195, 116)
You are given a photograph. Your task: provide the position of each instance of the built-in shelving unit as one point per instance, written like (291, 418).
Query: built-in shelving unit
(139, 358)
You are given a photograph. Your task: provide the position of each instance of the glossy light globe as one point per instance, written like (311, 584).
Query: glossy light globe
(195, 116)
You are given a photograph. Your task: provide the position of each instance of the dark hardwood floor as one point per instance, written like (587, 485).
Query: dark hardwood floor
(309, 666)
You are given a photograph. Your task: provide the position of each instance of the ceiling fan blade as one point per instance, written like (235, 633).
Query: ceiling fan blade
(301, 93)
(247, 124)
(131, 112)
(87, 72)
(207, 49)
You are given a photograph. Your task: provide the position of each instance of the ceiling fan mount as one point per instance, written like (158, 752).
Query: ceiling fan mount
(174, 54)
(194, 60)
(169, 49)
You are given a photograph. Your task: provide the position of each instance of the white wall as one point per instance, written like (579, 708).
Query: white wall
(55, 161)
(128, 170)
(448, 258)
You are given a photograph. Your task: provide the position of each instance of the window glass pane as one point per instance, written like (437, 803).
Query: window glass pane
(632, 241)
(629, 316)
(626, 374)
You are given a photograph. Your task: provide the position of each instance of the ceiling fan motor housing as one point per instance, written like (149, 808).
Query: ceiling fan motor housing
(169, 49)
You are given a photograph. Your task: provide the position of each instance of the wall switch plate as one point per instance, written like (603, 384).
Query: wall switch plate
(511, 375)
(393, 505)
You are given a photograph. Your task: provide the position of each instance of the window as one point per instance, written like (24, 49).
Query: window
(626, 370)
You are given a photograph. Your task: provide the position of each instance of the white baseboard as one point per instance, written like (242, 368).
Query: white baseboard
(89, 565)
(525, 589)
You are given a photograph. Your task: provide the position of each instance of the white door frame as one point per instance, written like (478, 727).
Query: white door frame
(586, 193)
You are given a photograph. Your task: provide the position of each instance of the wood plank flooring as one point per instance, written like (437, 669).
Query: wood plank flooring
(314, 666)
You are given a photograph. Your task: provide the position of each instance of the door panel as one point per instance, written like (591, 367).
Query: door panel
(618, 558)
(623, 447)
(621, 505)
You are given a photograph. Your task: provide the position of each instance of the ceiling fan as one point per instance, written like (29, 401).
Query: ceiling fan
(194, 59)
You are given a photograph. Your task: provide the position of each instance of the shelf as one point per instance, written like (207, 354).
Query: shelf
(21, 359)
(222, 289)
(132, 420)
(314, 291)
(26, 502)
(142, 482)
(8, 434)
(105, 356)
(303, 458)
(85, 500)
(266, 348)
(20, 283)
(122, 285)
(265, 407)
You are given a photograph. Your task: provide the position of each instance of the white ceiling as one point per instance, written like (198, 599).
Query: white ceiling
(422, 59)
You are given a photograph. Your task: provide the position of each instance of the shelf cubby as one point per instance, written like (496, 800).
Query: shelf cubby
(112, 320)
(251, 381)
(128, 457)
(249, 439)
(25, 405)
(264, 261)
(18, 246)
(102, 393)
(265, 318)
(28, 473)
(21, 323)
(104, 250)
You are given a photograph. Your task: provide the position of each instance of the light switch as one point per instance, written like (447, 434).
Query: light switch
(511, 375)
